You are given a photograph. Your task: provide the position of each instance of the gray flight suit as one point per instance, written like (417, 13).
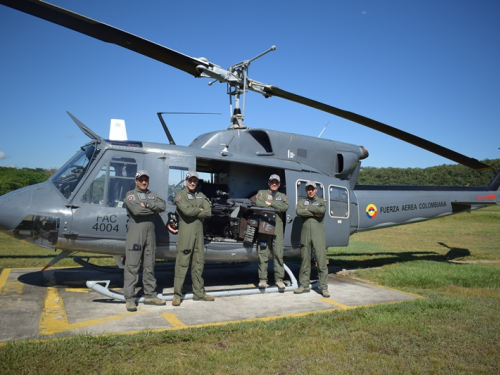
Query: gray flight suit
(141, 241)
(312, 238)
(272, 243)
(190, 240)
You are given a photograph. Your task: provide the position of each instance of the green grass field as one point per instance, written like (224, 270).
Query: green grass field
(454, 262)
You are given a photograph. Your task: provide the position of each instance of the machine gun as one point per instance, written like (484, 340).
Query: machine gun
(238, 219)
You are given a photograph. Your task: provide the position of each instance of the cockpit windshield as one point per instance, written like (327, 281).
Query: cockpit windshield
(68, 177)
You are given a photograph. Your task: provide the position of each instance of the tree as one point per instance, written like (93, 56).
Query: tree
(13, 178)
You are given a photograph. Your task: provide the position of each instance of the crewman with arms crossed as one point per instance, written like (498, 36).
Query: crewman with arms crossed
(142, 207)
(312, 212)
(267, 243)
(192, 208)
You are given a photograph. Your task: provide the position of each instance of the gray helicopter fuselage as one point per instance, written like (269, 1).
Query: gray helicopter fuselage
(81, 207)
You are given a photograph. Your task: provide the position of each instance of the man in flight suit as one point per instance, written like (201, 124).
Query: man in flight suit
(312, 212)
(142, 207)
(272, 198)
(192, 208)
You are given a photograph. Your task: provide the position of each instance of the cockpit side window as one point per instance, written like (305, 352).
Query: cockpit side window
(301, 190)
(112, 182)
(68, 177)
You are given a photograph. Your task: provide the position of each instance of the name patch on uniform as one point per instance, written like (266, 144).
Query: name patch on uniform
(199, 197)
(306, 203)
(315, 204)
(270, 197)
(142, 196)
(278, 198)
(190, 196)
(151, 197)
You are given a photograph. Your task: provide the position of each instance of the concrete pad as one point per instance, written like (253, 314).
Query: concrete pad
(57, 302)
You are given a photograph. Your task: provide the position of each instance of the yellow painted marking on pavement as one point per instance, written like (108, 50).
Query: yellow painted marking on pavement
(3, 277)
(13, 287)
(76, 290)
(12, 290)
(54, 318)
(173, 320)
(342, 306)
(53, 313)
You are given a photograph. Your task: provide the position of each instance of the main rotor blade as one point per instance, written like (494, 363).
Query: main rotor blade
(383, 128)
(189, 64)
(106, 33)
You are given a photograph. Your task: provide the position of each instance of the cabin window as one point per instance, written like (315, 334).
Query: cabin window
(301, 189)
(176, 177)
(112, 183)
(339, 201)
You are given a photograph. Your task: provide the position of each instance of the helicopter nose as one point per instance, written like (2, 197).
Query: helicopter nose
(13, 207)
(17, 217)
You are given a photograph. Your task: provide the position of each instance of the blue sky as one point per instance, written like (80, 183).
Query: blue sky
(428, 67)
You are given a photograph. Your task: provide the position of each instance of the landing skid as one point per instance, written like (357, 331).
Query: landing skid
(102, 287)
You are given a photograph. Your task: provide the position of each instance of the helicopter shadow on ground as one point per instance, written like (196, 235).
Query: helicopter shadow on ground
(230, 275)
(348, 261)
(216, 276)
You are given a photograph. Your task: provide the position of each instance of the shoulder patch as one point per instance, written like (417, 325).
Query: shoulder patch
(259, 194)
(130, 198)
(178, 198)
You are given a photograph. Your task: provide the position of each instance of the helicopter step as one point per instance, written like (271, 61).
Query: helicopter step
(102, 287)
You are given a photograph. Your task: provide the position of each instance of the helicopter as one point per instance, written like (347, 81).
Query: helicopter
(80, 208)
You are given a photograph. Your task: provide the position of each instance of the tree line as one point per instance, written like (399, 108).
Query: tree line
(443, 175)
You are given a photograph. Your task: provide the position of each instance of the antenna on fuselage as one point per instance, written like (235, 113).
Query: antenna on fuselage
(165, 127)
(319, 136)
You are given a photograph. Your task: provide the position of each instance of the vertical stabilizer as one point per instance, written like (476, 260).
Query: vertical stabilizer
(117, 130)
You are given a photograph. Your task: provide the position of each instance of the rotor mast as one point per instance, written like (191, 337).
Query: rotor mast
(236, 78)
